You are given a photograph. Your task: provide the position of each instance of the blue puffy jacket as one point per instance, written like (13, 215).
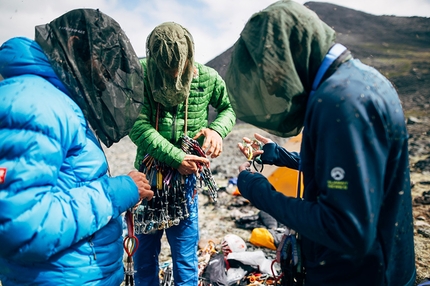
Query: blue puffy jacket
(59, 210)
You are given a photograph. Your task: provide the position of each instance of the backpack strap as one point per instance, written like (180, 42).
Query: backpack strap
(333, 55)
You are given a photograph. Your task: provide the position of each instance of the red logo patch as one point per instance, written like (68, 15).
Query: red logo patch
(2, 175)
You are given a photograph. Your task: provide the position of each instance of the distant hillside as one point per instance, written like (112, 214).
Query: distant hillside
(358, 29)
(399, 47)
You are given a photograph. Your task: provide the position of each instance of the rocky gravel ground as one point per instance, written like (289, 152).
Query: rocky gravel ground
(217, 220)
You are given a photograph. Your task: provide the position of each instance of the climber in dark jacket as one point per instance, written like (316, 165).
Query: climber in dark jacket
(355, 216)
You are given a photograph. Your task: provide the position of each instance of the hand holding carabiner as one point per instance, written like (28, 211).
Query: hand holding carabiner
(252, 148)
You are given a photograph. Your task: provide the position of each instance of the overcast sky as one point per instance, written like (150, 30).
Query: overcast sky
(214, 24)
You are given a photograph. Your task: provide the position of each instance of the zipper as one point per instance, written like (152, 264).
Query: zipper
(173, 137)
(90, 241)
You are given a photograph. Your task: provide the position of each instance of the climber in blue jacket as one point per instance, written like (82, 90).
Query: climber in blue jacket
(355, 217)
(60, 210)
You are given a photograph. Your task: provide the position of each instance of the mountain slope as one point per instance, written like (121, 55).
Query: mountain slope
(399, 47)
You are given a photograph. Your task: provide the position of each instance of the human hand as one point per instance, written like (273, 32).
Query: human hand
(143, 186)
(253, 148)
(191, 164)
(245, 167)
(212, 143)
(262, 139)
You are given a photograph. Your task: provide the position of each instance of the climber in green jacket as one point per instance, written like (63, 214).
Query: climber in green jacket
(178, 93)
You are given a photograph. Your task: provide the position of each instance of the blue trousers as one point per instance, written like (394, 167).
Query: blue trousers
(183, 240)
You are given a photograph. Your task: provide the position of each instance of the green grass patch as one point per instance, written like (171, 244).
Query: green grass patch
(415, 113)
(396, 60)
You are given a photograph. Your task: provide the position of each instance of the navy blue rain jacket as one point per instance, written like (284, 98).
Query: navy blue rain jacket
(355, 218)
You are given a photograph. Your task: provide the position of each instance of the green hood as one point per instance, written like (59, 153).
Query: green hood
(170, 50)
(273, 65)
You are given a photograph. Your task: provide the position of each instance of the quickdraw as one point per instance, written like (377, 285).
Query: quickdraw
(289, 257)
(191, 146)
(130, 244)
(166, 274)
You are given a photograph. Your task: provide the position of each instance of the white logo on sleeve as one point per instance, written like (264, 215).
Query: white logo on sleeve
(337, 173)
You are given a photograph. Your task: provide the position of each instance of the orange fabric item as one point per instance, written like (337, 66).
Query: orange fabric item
(283, 179)
(262, 237)
(236, 192)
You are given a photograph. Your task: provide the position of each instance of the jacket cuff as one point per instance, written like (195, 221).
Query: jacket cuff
(270, 154)
(123, 193)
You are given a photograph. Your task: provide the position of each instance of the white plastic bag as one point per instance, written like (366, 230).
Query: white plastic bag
(254, 259)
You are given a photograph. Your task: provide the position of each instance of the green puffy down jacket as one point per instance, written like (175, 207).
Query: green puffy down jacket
(207, 88)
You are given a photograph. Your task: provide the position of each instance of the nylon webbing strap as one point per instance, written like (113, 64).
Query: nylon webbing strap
(331, 56)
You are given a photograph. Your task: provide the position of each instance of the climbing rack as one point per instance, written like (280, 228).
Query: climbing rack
(169, 204)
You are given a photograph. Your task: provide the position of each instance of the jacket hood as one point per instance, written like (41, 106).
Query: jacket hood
(20, 55)
(170, 58)
(94, 59)
(273, 65)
